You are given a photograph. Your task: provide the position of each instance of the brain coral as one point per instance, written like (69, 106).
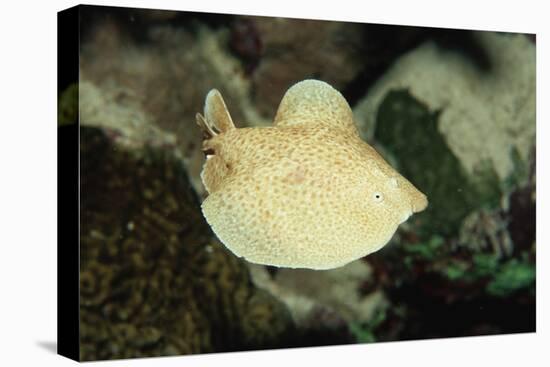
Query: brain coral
(153, 281)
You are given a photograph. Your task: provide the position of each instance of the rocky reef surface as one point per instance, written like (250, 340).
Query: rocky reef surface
(153, 279)
(453, 111)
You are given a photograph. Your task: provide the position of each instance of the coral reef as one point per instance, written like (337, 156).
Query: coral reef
(475, 247)
(297, 49)
(164, 63)
(469, 124)
(455, 114)
(162, 78)
(485, 109)
(406, 128)
(304, 290)
(349, 56)
(153, 280)
(326, 306)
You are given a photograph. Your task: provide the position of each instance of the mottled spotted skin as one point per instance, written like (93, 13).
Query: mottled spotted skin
(304, 193)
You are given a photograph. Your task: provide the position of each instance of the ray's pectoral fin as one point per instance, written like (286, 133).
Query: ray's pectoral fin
(216, 117)
(313, 102)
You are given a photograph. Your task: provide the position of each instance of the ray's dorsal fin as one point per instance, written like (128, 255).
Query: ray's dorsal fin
(313, 102)
(216, 115)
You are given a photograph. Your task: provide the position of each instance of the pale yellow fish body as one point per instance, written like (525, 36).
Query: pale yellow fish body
(306, 192)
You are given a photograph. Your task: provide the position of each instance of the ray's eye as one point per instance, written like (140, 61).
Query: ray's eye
(378, 197)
